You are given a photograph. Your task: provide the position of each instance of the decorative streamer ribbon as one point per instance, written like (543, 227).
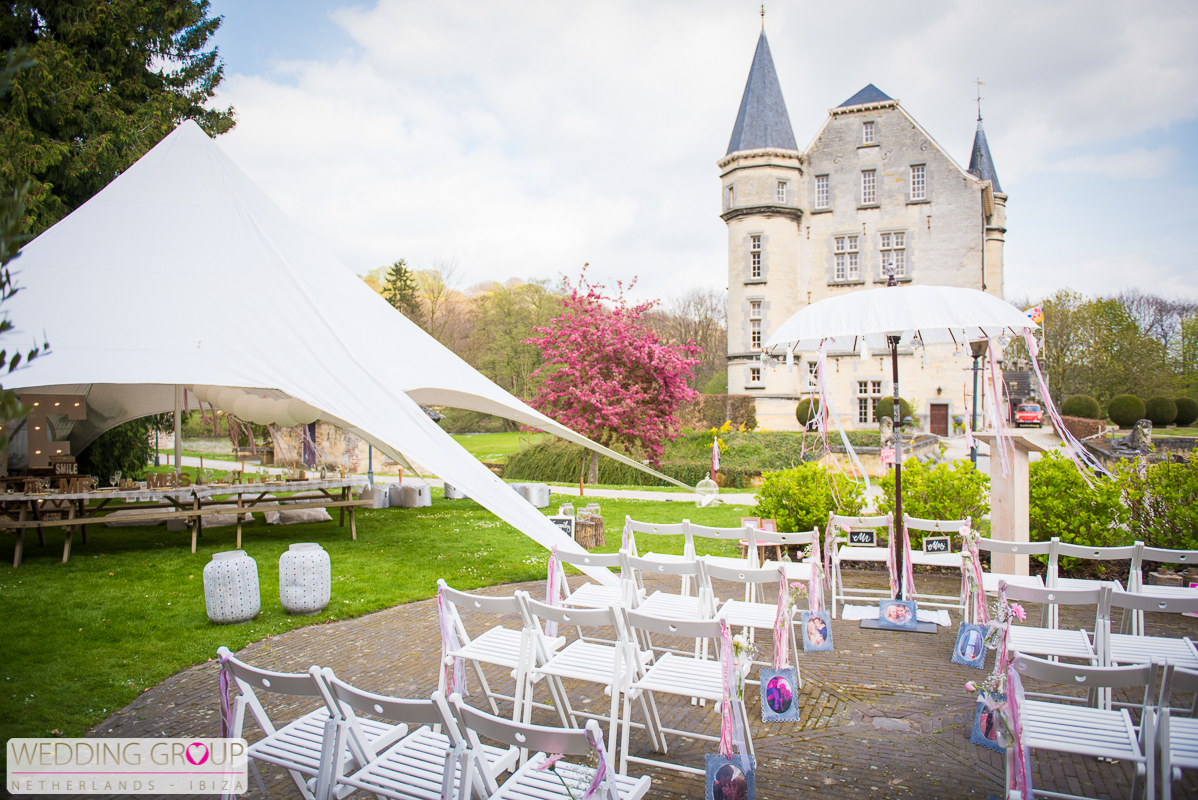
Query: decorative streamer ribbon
(552, 591)
(828, 410)
(997, 388)
(456, 678)
(815, 589)
(732, 731)
(782, 623)
(908, 569)
(1076, 451)
(891, 566)
(971, 576)
(1004, 614)
(1021, 776)
(829, 542)
(627, 534)
(601, 770)
(226, 713)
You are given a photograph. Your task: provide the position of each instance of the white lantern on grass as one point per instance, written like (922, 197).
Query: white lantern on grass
(231, 587)
(305, 579)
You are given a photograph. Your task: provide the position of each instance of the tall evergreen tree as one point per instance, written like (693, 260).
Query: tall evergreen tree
(109, 79)
(401, 292)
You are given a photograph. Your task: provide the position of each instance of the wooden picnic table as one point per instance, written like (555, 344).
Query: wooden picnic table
(20, 511)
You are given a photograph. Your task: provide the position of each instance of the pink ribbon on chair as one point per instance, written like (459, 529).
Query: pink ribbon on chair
(829, 541)
(782, 623)
(601, 770)
(732, 731)
(1021, 775)
(226, 712)
(1004, 613)
(815, 589)
(891, 566)
(908, 568)
(971, 573)
(456, 678)
(627, 534)
(552, 592)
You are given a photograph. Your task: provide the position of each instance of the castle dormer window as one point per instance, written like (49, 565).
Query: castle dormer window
(867, 134)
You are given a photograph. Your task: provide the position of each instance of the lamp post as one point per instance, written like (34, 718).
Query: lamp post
(979, 351)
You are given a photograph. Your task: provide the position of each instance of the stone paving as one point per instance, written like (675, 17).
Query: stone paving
(885, 715)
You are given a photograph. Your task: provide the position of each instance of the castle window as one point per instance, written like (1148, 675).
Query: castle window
(755, 334)
(893, 247)
(754, 309)
(869, 186)
(919, 184)
(822, 198)
(867, 134)
(754, 374)
(755, 255)
(729, 197)
(868, 395)
(848, 264)
(782, 192)
(812, 377)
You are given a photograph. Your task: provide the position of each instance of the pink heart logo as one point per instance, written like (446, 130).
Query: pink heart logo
(200, 749)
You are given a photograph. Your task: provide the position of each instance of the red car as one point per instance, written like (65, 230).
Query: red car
(1029, 414)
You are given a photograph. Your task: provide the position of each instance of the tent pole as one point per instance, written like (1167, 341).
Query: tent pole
(178, 427)
(370, 463)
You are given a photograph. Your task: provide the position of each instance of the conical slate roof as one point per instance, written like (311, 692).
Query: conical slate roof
(762, 120)
(980, 162)
(870, 94)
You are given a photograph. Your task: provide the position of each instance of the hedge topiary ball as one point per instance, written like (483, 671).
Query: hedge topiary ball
(886, 408)
(1126, 410)
(1187, 411)
(1161, 410)
(807, 410)
(1081, 405)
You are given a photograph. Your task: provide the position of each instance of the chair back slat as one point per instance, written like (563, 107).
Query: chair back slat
(1064, 597)
(394, 709)
(652, 567)
(1096, 553)
(1015, 548)
(707, 532)
(478, 602)
(949, 526)
(837, 520)
(608, 560)
(686, 629)
(740, 575)
(295, 684)
(581, 617)
(656, 528)
(1140, 675)
(1155, 603)
(785, 539)
(1163, 556)
(567, 741)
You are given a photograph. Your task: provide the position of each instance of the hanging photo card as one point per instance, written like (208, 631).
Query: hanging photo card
(817, 631)
(970, 649)
(899, 615)
(987, 725)
(779, 695)
(729, 779)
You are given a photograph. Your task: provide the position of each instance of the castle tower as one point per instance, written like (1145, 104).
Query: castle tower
(994, 212)
(761, 180)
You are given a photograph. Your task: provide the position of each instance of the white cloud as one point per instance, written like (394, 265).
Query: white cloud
(524, 139)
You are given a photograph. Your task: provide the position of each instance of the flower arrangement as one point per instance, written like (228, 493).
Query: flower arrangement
(995, 684)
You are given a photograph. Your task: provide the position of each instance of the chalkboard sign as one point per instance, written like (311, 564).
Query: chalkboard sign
(566, 524)
(937, 544)
(863, 538)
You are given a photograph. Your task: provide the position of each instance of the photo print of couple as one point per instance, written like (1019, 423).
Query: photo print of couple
(970, 649)
(897, 615)
(727, 779)
(987, 725)
(817, 631)
(779, 690)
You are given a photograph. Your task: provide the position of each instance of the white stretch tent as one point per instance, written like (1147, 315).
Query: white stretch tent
(182, 271)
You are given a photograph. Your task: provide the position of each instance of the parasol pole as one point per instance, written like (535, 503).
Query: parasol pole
(897, 411)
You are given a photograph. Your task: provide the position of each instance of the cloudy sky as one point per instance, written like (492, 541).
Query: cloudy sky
(522, 139)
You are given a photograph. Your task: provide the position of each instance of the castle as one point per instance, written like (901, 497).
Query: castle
(873, 188)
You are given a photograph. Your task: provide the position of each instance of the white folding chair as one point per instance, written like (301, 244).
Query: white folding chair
(666, 604)
(418, 766)
(845, 551)
(923, 558)
(500, 646)
(297, 746)
(592, 595)
(1053, 578)
(567, 778)
(590, 660)
(1058, 642)
(1177, 734)
(991, 579)
(1132, 649)
(676, 674)
(753, 616)
(1097, 732)
(1135, 578)
(633, 527)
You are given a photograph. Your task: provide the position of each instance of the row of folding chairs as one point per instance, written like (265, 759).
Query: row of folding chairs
(614, 650)
(1157, 740)
(413, 749)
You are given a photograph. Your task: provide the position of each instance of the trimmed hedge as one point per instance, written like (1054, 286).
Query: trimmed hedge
(1081, 405)
(1126, 410)
(1161, 410)
(886, 404)
(1187, 411)
(561, 462)
(807, 410)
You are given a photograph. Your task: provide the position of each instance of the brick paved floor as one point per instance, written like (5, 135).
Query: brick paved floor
(885, 715)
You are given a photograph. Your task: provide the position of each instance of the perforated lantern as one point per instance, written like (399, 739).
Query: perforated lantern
(305, 578)
(231, 587)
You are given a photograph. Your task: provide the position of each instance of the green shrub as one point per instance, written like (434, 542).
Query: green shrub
(1081, 405)
(1126, 410)
(803, 497)
(128, 447)
(1161, 410)
(948, 490)
(461, 420)
(561, 462)
(1062, 504)
(718, 383)
(1162, 502)
(1187, 412)
(807, 410)
(886, 404)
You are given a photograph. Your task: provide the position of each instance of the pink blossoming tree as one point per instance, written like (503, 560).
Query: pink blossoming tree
(608, 376)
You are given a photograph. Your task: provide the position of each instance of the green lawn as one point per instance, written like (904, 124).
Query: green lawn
(497, 446)
(86, 637)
